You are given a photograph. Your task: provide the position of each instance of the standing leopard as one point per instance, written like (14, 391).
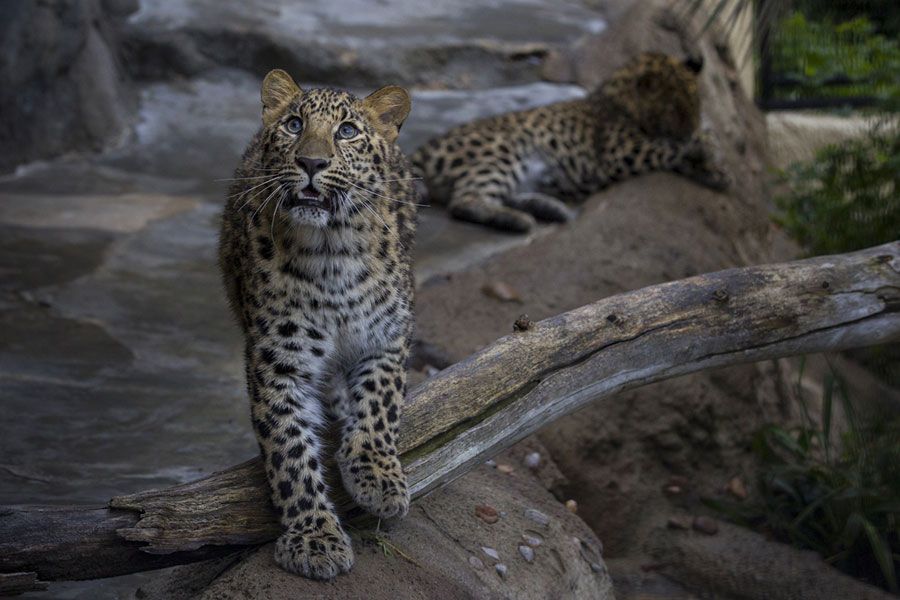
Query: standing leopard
(315, 252)
(505, 170)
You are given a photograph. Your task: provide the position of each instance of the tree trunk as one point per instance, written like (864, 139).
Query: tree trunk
(476, 408)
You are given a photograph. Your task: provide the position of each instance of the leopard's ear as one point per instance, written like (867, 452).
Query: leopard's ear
(277, 90)
(388, 107)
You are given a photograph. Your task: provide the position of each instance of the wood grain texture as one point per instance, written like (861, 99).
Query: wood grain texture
(475, 408)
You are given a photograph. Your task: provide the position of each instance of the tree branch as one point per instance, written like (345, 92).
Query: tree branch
(493, 399)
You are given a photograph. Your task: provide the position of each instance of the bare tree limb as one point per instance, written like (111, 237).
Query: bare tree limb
(496, 397)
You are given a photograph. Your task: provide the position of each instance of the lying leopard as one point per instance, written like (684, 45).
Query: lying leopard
(315, 252)
(505, 170)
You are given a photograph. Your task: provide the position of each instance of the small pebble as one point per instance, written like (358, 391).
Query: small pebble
(532, 539)
(678, 523)
(491, 463)
(737, 488)
(533, 460)
(476, 563)
(502, 291)
(501, 570)
(523, 323)
(486, 513)
(504, 468)
(537, 516)
(503, 514)
(490, 552)
(678, 481)
(571, 506)
(527, 553)
(706, 525)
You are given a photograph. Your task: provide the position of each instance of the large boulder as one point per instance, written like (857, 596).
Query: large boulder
(60, 86)
(534, 548)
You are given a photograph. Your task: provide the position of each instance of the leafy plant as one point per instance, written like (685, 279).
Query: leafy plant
(843, 501)
(821, 58)
(848, 198)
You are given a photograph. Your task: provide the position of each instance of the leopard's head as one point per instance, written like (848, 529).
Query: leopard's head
(659, 93)
(328, 147)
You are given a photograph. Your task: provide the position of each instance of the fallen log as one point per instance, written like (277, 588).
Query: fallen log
(475, 408)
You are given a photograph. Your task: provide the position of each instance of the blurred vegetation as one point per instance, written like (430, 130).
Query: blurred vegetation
(814, 59)
(836, 494)
(848, 197)
(841, 500)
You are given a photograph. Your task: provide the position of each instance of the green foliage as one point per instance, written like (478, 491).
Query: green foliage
(836, 60)
(843, 502)
(848, 198)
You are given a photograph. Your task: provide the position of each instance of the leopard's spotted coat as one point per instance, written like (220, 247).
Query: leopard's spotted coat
(315, 252)
(505, 170)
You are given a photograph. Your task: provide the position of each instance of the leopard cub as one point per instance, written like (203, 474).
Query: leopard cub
(504, 171)
(315, 253)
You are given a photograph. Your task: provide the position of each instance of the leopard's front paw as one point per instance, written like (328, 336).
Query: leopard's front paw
(377, 484)
(318, 549)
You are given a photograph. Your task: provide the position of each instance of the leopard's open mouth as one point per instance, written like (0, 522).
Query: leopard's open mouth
(308, 197)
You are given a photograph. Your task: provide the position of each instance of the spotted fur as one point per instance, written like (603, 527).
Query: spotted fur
(505, 170)
(315, 252)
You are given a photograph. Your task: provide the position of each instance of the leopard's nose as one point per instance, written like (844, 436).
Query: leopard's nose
(313, 165)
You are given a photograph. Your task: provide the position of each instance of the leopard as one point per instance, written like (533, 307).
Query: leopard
(510, 170)
(315, 251)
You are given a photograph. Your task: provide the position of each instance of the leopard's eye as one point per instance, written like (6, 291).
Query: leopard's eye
(294, 125)
(347, 131)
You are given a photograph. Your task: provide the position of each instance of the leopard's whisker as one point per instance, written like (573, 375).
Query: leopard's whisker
(241, 193)
(243, 178)
(402, 179)
(371, 209)
(252, 196)
(266, 201)
(274, 215)
(385, 197)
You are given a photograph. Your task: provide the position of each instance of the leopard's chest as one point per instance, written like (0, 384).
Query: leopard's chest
(354, 303)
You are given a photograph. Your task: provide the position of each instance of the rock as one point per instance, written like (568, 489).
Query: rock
(486, 513)
(678, 481)
(444, 568)
(502, 291)
(527, 553)
(678, 523)
(532, 460)
(491, 463)
(537, 516)
(737, 488)
(705, 525)
(504, 468)
(523, 323)
(533, 539)
(60, 86)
